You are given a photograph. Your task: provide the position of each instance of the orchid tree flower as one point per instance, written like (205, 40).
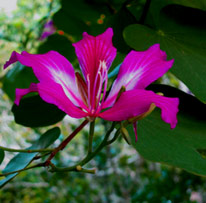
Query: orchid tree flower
(48, 30)
(84, 95)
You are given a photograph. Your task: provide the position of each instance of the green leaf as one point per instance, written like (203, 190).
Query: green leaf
(157, 5)
(118, 22)
(82, 10)
(181, 147)
(1, 155)
(114, 72)
(200, 4)
(60, 44)
(22, 160)
(76, 17)
(181, 32)
(64, 21)
(18, 77)
(34, 112)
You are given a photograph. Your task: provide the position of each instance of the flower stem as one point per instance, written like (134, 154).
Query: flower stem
(65, 142)
(116, 135)
(25, 150)
(91, 134)
(99, 148)
(145, 11)
(91, 155)
(24, 169)
(77, 167)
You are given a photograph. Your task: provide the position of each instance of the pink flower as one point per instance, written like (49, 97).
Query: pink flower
(48, 30)
(86, 96)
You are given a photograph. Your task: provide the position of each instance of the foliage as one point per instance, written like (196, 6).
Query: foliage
(179, 27)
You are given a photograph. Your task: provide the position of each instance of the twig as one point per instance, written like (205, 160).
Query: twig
(89, 156)
(145, 11)
(24, 169)
(91, 134)
(64, 143)
(116, 135)
(25, 150)
(77, 167)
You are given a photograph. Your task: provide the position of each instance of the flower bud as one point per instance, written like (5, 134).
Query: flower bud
(79, 168)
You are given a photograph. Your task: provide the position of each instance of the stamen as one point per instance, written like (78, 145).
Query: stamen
(88, 90)
(82, 87)
(105, 87)
(95, 90)
(98, 97)
(104, 77)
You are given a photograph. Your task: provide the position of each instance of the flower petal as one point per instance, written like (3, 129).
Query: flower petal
(136, 102)
(51, 68)
(52, 94)
(21, 92)
(91, 50)
(48, 30)
(139, 69)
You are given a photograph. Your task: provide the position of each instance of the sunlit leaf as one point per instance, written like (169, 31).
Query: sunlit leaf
(22, 160)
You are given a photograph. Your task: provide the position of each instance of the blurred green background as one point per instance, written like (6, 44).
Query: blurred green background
(122, 174)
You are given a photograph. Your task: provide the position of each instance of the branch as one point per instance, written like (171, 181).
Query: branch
(25, 150)
(64, 143)
(116, 135)
(145, 11)
(91, 134)
(24, 169)
(89, 156)
(77, 167)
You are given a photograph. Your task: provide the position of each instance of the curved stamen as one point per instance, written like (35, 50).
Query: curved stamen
(105, 81)
(82, 88)
(98, 97)
(96, 85)
(89, 93)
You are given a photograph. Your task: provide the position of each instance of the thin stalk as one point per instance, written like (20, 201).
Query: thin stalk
(116, 135)
(24, 169)
(25, 150)
(91, 134)
(76, 168)
(145, 11)
(65, 142)
(42, 155)
(89, 156)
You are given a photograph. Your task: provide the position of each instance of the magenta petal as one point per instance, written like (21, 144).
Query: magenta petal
(139, 69)
(136, 102)
(48, 30)
(54, 94)
(91, 50)
(13, 59)
(21, 92)
(51, 68)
